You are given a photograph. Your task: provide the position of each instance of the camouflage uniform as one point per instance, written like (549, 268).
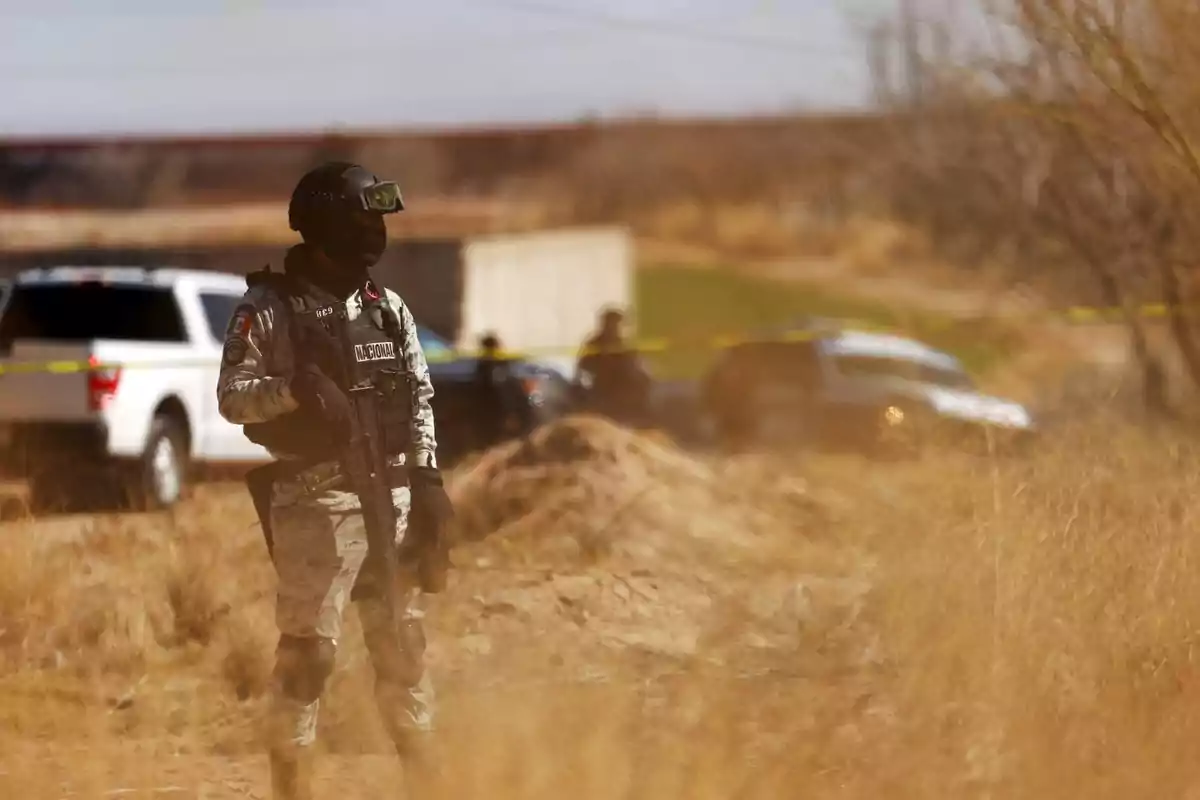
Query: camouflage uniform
(320, 540)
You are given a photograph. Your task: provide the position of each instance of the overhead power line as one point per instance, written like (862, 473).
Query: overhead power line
(581, 22)
(658, 25)
(261, 62)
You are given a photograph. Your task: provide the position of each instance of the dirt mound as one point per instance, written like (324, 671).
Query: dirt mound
(611, 539)
(585, 487)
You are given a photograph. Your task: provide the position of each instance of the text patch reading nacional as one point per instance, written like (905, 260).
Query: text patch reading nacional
(375, 351)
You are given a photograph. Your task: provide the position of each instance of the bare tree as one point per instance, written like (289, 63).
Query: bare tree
(1066, 142)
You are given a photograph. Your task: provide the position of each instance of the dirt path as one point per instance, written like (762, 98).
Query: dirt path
(136, 771)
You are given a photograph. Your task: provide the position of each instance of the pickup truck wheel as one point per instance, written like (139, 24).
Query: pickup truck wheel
(161, 474)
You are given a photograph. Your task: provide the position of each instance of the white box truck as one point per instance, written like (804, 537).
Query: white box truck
(540, 292)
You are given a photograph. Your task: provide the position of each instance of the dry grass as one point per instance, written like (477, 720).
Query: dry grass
(693, 229)
(642, 623)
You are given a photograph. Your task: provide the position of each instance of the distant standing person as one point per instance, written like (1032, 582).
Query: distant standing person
(617, 382)
(498, 406)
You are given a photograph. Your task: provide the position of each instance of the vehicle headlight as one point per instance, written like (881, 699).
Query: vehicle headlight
(1009, 415)
(1015, 417)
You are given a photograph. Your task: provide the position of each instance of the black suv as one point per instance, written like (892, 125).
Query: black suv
(540, 394)
(849, 389)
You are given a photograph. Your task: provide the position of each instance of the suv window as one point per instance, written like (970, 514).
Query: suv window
(218, 308)
(876, 366)
(79, 312)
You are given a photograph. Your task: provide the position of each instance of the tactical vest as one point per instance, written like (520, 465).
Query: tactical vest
(371, 358)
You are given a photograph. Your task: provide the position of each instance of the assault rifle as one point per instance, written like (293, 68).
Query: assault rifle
(364, 457)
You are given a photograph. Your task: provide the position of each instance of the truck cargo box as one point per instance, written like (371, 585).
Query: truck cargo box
(540, 292)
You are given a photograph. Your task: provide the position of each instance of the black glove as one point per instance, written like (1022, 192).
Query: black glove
(431, 511)
(317, 394)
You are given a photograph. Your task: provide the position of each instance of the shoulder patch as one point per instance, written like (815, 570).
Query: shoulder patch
(241, 322)
(234, 352)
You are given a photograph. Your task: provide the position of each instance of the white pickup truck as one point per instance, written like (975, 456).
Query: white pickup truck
(108, 379)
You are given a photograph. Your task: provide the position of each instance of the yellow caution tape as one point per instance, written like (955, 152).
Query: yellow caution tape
(1078, 314)
(656, 345)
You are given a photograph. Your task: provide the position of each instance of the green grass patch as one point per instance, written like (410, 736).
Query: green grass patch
(693, 305)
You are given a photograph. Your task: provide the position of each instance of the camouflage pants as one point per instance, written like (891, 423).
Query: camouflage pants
(320, 546)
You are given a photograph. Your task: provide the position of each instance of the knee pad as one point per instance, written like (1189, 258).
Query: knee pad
(303, 664)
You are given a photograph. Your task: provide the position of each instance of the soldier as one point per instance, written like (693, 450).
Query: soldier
(500, 406)
(618, 382)
(283, 378)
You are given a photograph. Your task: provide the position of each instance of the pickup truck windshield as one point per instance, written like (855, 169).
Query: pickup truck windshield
(83, 312)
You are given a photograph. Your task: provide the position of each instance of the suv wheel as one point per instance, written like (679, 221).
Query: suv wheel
(903, 430)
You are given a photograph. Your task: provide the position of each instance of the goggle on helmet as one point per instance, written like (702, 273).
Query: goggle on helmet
(341, 185)
(383, 197)
(364, 190)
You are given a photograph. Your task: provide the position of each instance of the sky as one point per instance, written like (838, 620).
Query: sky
(95, 67)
